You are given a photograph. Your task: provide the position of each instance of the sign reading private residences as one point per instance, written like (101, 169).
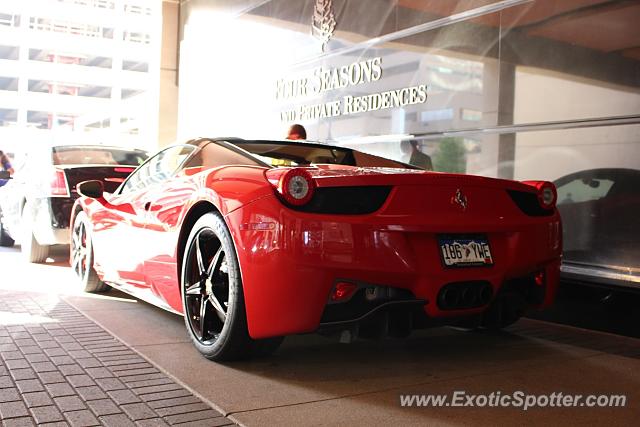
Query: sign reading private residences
(321, 80)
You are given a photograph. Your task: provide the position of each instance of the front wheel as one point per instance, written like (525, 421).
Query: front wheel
(212, 295)
(81, 251)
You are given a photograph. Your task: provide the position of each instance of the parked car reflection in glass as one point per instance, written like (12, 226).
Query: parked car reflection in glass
(600, 211)
(36, 204)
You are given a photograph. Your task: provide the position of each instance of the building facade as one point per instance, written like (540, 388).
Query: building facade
(518, 89)
(79, 71)
(495, 88)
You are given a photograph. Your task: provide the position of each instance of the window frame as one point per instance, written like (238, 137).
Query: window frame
(122, 188)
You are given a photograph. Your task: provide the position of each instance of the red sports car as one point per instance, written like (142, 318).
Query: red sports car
(255, 240)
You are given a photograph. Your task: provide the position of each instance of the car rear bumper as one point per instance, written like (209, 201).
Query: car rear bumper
(50, 220)
(291, 261)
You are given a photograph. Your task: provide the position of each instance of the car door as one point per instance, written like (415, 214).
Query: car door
(165, 211)
(124, 246)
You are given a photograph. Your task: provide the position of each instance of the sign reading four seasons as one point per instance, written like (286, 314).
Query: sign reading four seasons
(322, 80)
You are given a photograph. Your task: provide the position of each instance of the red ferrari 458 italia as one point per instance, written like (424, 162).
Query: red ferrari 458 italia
(255, 240)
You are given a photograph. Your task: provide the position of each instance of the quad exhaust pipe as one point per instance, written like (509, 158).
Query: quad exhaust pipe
(463, 295)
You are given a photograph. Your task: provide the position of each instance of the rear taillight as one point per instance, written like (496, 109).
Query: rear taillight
(295, 186)
(342, 291)
(59, 184)
(539, 278)
(547, 194)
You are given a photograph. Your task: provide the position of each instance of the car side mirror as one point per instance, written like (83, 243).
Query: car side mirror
(93, 189)
(5, 175)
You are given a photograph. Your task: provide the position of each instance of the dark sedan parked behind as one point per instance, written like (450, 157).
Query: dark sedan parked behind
(600, 211)
(36, 204)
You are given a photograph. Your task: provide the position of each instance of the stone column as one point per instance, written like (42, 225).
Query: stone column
(168, 105)
(499, 94)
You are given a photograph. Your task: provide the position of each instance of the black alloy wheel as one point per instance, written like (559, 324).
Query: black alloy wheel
(212, 295)
(207, 291)
(81, 251)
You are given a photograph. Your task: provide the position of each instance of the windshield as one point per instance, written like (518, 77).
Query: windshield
(97, 156)
(304, 154)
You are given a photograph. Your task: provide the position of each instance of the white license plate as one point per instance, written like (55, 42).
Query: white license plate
(465, 251)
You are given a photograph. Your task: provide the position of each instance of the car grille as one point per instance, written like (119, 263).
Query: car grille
(528, 203)
(346, 200)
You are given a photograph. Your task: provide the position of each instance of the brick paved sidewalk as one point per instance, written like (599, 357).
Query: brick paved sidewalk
(58, 368)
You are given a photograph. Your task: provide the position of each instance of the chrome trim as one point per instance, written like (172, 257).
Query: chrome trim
(600, 275)
(532, 127)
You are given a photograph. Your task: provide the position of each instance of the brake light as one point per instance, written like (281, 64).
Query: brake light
(547, 194)
(342, 291)
(295, 186)
(539, 278)
(59, 184)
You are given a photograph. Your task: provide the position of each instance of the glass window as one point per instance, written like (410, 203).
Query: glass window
(8, 117)
(583, 190)
(213, 155)
(600, 210)
(97, 156)
(369, 160)
(158, 169)
(303, 154)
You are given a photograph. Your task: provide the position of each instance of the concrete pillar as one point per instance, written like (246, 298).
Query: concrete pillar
(23, 60)
(168, 105)
(507, 141)
(116, 71)
(499, 93)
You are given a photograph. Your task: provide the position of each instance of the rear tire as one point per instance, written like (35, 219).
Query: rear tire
(81, 255)
(505, 310)
(32, 250)
(213, 297)
(265, 347)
